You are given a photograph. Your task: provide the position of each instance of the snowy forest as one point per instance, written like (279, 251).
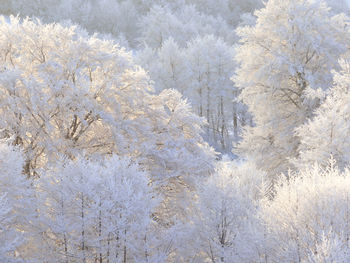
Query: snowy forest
(170, 131)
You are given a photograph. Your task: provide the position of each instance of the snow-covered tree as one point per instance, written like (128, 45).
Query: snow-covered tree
(10, 238)
(309, 206)
(285, 61)
(182, 24)
(210, 64)
(201, 71)
(17, 209)
(328, 132)
(97, 211)
(59, 87)
(150, 24)
(167, 68)
(226, 213)
(63, 92)
(330, 248)
(124, 18)
(179, 157)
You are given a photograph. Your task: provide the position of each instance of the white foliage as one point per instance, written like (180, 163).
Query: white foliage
(307, 206)
(284, 57)
(93, 210)
(227, 206)
(58, 87)
(16, 205)
(66, 93)
(328, 132)
(97, 166)
(331, 249)
(201, 72)
(181, 24)
(126, 17)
